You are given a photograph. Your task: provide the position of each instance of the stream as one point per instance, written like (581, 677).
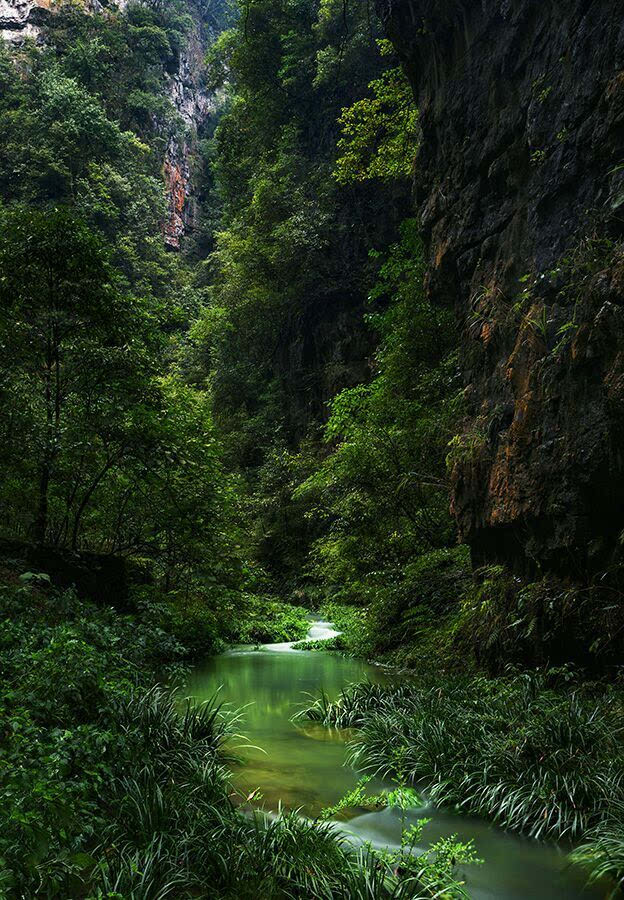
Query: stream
(303, 766)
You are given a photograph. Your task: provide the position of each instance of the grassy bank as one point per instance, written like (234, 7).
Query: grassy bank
(536, 753)
(109, 789)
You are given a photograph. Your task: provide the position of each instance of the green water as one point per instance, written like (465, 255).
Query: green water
(304, 767)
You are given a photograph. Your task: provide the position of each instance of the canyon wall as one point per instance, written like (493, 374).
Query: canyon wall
(22, 19)
(520, 188)
(195, 106)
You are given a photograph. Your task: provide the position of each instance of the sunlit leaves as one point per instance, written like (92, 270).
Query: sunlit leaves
(379, 133)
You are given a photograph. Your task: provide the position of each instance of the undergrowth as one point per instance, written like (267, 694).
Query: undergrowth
(524, 751)
(112, 789)
(413, 617)
(231, 618)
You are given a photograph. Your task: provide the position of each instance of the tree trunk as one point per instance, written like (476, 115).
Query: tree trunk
(87, 497)
(40, 525)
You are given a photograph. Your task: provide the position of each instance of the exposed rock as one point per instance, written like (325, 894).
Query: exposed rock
(23, 18)
(104, 579)
(20, 19)
(522, 113)
(194, 106)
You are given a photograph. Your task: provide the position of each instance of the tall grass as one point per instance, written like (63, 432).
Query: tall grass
(602, 851)
(533, 759)
(174, 830)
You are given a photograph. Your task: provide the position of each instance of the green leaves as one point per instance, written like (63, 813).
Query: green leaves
(379, 133)
(383, 487)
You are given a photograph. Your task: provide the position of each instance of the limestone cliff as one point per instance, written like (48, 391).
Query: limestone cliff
(24, 18)
(21, 19)
(520, 185)
(195, 106)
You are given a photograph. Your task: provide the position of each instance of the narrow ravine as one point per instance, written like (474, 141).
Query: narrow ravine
(303, 766)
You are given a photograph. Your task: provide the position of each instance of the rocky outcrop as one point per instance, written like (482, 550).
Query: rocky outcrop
(194, 106)
(20, 19)
(520, 186)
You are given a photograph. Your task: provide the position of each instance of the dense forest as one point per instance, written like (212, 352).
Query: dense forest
(309, 308)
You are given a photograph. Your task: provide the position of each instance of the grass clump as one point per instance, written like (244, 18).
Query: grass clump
(601, 853)
(333, 643)
(536, 758)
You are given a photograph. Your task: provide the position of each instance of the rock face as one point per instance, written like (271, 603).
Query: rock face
(20, 19)
(23, 18)
(194, 106)
(520, 185)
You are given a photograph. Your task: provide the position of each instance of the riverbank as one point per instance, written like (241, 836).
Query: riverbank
(109, 789)
(300, 765)
(537, 752)
(109, 757)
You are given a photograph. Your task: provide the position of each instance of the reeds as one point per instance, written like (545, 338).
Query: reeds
(543, 762)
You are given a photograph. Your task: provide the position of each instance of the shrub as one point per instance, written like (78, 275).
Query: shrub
(412, 617)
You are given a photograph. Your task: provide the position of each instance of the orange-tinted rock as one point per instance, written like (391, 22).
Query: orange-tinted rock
(522, 203)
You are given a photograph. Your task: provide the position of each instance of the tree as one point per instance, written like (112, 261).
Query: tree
(66, 332)
(380, 132)
(382, 492)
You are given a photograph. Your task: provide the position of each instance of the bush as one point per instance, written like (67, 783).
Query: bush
(260, 620)
(205, 623)
(413, 617)
(506, 620)
(66, 670)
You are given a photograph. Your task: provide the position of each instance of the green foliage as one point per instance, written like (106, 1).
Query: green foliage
(505, 620)
(116, 453)
(400, 797)
(382, 492)
(430, 873)
(258, 620)
(111, 788)
(379, 133)
(117, 359)
(411, 620)
(434, 872)
(415, 620)
(289, 274)
(278, 522)
(601, 852)
(530, 752)
(73, 345)
(62, 748)
(323, 644)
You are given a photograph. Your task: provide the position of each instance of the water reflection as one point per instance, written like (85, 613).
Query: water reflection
(302, 766)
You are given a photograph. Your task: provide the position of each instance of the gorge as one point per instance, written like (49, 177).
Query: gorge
(311, 310)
